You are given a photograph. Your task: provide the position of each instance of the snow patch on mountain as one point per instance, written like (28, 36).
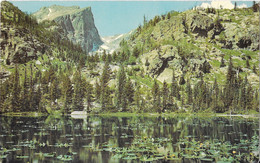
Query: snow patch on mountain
(111, 43)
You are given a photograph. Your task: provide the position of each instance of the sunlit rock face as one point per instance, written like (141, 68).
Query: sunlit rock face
(77, 23)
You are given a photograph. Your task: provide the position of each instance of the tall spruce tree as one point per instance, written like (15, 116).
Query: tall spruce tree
(137, 96)
(67, 91)
(38, 96)
(229, 86)
(54, 90)
(156, 96)
(97, 91)
(243, 97)
(129, 91)
(78, 97)
(89, 95)
(189, 93)
(174, 88)
(15, 91)
(31, 90)
(165, 93)
(215, 92)
(3, 93)
(24, 92)
(105, 90)
(120, 93)
(249, 97)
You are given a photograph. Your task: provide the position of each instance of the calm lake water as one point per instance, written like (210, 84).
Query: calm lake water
(128, 139)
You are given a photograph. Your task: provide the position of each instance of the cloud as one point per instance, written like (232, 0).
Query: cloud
(217, 4)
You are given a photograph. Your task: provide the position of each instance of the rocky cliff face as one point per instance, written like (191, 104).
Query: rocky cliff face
(78, 24)
(198, 42)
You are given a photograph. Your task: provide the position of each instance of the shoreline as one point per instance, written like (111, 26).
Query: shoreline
(131, 114)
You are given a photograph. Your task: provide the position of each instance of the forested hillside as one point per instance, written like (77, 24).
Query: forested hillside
(37, 60)
(201, 60)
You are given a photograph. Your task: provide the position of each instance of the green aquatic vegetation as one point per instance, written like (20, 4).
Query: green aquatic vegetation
(148, 149)
(62, 145)
(65, 157)
(50, 155)
(155, 139)
(3, 156)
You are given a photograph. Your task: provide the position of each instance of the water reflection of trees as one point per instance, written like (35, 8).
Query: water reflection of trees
(118, 131)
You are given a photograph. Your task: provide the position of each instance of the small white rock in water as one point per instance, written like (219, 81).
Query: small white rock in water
(79, 114)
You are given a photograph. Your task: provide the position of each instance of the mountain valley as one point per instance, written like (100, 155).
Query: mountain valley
(199, 60)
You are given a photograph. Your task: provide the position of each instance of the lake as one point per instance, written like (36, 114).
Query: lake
(128, 139)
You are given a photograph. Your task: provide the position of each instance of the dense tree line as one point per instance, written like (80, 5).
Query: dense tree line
(26, 90)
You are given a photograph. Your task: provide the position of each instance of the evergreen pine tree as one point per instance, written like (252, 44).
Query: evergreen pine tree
(136, 52)
(54, 94)
(189, 92)
(38, 97)
(174, 87)
(120, 93)
(254, 69)
(114, 56)
(256, 101)
(156, 97)
(129, 91)
(165, 93)
(255, 6)
(104, 56)
(247, 64)
(67, 91)
(144, 22)
(105, 90)
(137, 96)
(243, 97)
(24, 92)
(78, 97)
(97, 90)
(249, 97)
(235, 6)
(222, 62)
(15, 91)
(230, 73)
(31, 91)
(229, 87)
(109, 58)
(89, 95)
(2, 96)
(215, 92)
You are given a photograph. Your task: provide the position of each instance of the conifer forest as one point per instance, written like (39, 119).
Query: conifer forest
(182, 86)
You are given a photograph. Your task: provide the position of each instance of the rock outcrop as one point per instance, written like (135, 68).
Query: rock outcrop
(19, 46)
(78, 24)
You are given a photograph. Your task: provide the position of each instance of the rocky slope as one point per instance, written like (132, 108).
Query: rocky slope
(18, 45)
(78, 24)
(195, 41)
(24, 40)
(17, 52)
